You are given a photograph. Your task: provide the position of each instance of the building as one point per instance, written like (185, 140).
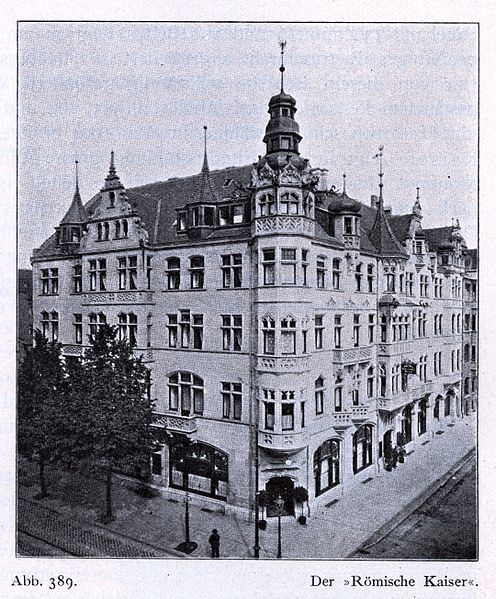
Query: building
(24, 311)
(295, 335)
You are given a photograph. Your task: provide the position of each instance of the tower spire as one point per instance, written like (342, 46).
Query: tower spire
(418, 193)
(205, 161)
(282, 44)
(112, 165)
(76, 193)
(344, 183)
(381, 173)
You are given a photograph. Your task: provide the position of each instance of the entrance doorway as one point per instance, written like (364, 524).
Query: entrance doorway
(388, 443)
(283, 486)
(406, 426)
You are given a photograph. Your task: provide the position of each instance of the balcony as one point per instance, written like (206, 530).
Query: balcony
(72, 350)
(395, 349)
(359, 414)
(341, 420)
(177, 424)
(284, 443)
(287, 224)
(282, 364)
(356, 354)
(117, 297)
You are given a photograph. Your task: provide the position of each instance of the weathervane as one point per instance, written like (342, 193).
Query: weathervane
(282, 44)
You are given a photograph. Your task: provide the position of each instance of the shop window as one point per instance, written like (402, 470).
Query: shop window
(326, 466)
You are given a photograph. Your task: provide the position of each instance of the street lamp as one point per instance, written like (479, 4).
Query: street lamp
(280, 509)
(256, 547)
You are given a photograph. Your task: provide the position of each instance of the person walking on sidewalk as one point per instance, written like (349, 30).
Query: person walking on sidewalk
(214, 541)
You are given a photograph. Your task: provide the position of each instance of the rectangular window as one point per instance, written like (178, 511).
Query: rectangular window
(96, 322)
(197, 331)
(288, 266)
(157, 463)
(319, 331)
(358, 277)
(197, 272)
(269, 408)
(231, 400)
(172, 329)
(232, 332)
(77, 279)
(336, 273)
(78, 328)
(371, 328)
(268, 332)
(370, 278)
(287, 416)
(355, 398)
(288, 336)
(321, 272)
(128, 328)
(337, 330)
(232, 271)
(370, 382)
(102, 274)
(269, 266)
(185, 324)
(356, 330)
(49, 281)
(92, 273)
(304, 266)
(319, 397)
(173, 273)
(338, 399)
(149, 272)
(390, 282)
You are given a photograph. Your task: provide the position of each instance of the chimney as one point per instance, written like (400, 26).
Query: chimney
(374, 201)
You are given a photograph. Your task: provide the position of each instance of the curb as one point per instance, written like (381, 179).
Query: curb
(414, 504)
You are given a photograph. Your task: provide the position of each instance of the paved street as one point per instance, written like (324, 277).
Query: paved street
(67, 520)
(444, 527)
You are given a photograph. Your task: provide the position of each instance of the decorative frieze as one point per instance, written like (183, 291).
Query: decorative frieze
(357, 354)
(283, 224)
(285, 364)
(120, 297)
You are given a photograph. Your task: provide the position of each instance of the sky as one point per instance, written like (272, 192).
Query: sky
(145, 90)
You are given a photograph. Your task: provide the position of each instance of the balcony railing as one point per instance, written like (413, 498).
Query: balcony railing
(118, 297)
(176, 423)
(355, 354)
(267, 225)
(282, 364)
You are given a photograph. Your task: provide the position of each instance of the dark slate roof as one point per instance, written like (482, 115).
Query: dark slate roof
(437, 236)
(76, 214)
(473, 256)
(382, 236)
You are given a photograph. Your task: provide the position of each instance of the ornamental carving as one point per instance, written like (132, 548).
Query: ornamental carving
(289, 175)
(288, 440)
(291, 224)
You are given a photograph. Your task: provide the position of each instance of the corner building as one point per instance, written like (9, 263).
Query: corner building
(294, 334)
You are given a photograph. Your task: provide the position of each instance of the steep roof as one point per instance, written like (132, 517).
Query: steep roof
(438, 235)
(76, 215)
(382, 236)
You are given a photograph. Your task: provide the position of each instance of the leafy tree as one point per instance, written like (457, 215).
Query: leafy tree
(112, 415)
(41, 387)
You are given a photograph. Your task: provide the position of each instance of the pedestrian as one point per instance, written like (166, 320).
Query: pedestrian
(214, 541)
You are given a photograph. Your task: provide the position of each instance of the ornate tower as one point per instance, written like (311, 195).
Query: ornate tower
(71, 227)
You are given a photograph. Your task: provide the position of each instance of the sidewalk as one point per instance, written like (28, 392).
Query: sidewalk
(331, 533)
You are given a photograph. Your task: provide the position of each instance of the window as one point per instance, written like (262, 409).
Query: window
(149, 272)
(128, 272)
(232, 332)
(96, 322)
(269, 266)
(197, 270)
(422, 417)
(466, 386)
(50, 326)
(382, 380)
(173, 273)
(336, 273)
(304, 266)
(49, 281)
(232, 270)
(355, 397)
(288, 336)
(269, 409)
(356, 330)
(157, 463)
(326, 466)
(231, 400)
(473, 353)
(390, 282)
(362, 448)
(338, 398)
(466, 353)
(128, 328)
(402, 283)
(370, 278)
(78, 328)
(395, 379)
(321, 272)
(370, 381)
(383, 327)
(287, 411)
(422, 368)
(319, 331)
(238, 214)
(195, 217)
(208, 215)
(358, 277)
(186, 393)
(267, 205)
(371, 328)
(288, 266)
(172, 329)
(268, 331)
(77, 278)
(197, 331)
(98, 274)
(319, 396)
(424, 284)
(348, 225)
(117, 226)
(337, 330)
(288, 204)
(149, 325)
(181, 221)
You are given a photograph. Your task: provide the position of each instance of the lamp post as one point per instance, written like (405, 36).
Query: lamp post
(256, 547)
(280, 508)
(187, 500)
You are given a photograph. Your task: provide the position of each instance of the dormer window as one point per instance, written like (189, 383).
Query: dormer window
(112, 199)
(209, 215)
(348, 225)
(181, 221)
(238, 214)
(418, 249)
(195, 217)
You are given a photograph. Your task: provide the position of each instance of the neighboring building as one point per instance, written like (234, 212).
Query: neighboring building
(280, 318)
(470, 326)
(24, 311)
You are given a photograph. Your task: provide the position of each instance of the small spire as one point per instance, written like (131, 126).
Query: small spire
(418, 193)
(112, 179)
(344, 183)
(205, 161)
(77, 180)
(282, 44)
(112, 165)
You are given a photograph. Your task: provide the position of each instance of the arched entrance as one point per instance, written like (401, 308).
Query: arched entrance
(447, 405)
(283, 486)
(436, 408)
(388, 443)
(422, 417)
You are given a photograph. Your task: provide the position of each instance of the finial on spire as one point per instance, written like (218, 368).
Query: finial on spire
(418, 193)
(282, 44)
(112, 165)
(344, 183)
(77, 178)
(381, 173)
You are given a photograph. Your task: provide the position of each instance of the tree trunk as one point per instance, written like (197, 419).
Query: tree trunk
(108, 498)
(43, 491)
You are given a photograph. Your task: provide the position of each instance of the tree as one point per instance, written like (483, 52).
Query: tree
(41, 388)
(113, 416)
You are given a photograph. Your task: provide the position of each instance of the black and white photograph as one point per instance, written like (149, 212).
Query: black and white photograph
(247, 292)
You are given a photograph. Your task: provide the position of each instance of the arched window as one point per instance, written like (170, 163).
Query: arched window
(267, 205)
(269, 334)
(326, 466)
(466, 353)
(199, 468)
(362, 448)
(288, 204)
(186, 393)
(447, 405)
